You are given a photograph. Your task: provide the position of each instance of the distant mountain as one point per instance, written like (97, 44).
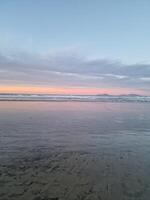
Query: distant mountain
(122, 95)
(132, 95)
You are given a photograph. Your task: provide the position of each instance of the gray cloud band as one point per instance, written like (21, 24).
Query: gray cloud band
(71, 70)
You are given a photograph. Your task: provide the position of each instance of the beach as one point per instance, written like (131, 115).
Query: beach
(74, 151)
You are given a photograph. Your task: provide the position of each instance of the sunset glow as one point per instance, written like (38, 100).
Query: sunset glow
(64, 90)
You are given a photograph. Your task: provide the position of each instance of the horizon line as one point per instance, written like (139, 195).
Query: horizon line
(42, 94)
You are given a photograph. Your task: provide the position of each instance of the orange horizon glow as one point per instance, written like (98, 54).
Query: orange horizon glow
(66, 90)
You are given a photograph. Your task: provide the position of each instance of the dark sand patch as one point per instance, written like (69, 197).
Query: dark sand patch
(73, 175)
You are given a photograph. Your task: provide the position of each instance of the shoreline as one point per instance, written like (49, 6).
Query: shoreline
(74, 100)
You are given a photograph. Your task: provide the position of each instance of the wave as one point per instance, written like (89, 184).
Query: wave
(98, 98)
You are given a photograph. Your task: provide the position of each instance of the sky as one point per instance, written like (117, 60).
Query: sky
(75, 47)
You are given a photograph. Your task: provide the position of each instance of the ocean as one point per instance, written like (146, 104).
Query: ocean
(74, 150)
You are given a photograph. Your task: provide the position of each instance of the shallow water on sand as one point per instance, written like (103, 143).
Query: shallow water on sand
(74, 151)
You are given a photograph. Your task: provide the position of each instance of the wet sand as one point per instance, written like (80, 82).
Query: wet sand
(74, 151)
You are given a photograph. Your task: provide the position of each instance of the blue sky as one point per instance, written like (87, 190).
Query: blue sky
(112, 30)
(106, 28)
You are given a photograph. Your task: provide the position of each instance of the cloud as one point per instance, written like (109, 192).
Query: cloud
(71, 69)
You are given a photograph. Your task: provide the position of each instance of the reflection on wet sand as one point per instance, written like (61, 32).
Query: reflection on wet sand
(74, 151)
